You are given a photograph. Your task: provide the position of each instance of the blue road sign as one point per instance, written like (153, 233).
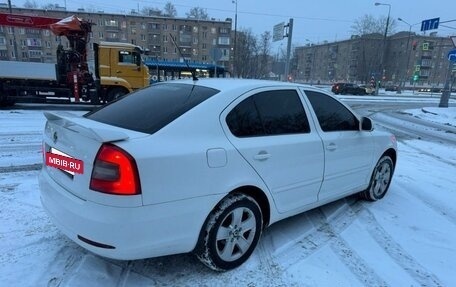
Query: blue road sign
(430, 24)
(452, 55)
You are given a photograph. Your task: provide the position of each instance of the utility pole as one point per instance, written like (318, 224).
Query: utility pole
(235, 38)
(290, 36)
(446, 92)
(16, 56)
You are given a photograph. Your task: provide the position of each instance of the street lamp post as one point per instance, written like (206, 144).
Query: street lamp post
(16, 56)
(408, 51)
(235, 38)
(388, 18)
(384, 41)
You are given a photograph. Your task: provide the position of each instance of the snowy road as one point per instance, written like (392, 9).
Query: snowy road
(406, 239)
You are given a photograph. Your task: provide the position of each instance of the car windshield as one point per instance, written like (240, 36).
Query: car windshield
(148, 110)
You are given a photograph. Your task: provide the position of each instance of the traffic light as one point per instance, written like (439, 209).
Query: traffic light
(425, 46)
(416, 77)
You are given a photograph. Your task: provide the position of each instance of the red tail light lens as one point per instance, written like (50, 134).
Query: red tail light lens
(115, 172)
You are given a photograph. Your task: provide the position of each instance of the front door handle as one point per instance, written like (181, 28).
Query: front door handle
(331, 146)
(262, 155)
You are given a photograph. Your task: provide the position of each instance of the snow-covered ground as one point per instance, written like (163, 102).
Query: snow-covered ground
(406, 239)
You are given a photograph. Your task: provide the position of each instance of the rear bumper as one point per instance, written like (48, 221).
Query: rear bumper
(126, 233)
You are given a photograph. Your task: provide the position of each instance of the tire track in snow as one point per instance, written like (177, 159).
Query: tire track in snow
(432, 204)
(267, 263)
(324, 233)
(33, 247)
(355, 263)
(315, 239)
(413, 129)
(444, 127)
(358, 210)
(393, 249)
(422, 151)
(21, 147)
(70, 261)
(327, 230)
(124, 275)
(19, 168)
(22, 139)
(302, 249)
(23, 133)
(101, 271)
(400, 134)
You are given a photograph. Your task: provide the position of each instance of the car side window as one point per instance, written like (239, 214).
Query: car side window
(332, 115)
(269, 113)
(244, 120)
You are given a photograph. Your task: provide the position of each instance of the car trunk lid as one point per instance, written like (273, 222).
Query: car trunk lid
(71, 144)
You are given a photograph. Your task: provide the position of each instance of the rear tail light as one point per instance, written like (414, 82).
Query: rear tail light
(115, 172)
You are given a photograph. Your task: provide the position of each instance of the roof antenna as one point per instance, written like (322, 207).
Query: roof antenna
(186, 62)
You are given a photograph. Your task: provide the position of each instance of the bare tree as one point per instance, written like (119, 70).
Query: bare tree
(151, 11)
(31, 4)
(169, 10)
(264, 55)
(50, 6)
(391, 25)
(198, 13)
(247, 54)
(90, 9)
(368, 24)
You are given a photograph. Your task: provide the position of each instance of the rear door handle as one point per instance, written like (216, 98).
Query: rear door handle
(262, 155)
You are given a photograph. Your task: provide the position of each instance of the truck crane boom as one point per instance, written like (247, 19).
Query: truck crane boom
(73, 28)
(118, 68)
(26, 21)
(71, 68)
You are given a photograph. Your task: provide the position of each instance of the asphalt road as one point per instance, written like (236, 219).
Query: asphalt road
(390, 115)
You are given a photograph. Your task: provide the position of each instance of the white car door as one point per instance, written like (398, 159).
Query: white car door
(348, 150)
(270, 129)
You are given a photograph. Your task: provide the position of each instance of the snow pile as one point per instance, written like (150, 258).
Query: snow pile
(446, 116)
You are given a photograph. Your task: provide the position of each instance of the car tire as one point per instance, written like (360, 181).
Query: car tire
(231, 233)
(94, 99)
(380, 180)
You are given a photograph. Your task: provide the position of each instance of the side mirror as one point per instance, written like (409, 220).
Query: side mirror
(138, 60)
(366, 124)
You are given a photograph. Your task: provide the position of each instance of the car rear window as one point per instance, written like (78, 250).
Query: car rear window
(150, 109)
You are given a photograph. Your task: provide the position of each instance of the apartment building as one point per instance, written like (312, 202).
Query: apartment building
(394, 61)
(196, 39)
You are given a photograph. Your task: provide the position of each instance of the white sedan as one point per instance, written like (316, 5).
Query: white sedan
(205, 166)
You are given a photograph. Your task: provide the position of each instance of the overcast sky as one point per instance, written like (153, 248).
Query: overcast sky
(314, 21)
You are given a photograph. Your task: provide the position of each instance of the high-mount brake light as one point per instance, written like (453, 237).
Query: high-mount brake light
(115, 172)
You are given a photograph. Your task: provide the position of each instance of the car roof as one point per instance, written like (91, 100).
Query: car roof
(225, 84)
